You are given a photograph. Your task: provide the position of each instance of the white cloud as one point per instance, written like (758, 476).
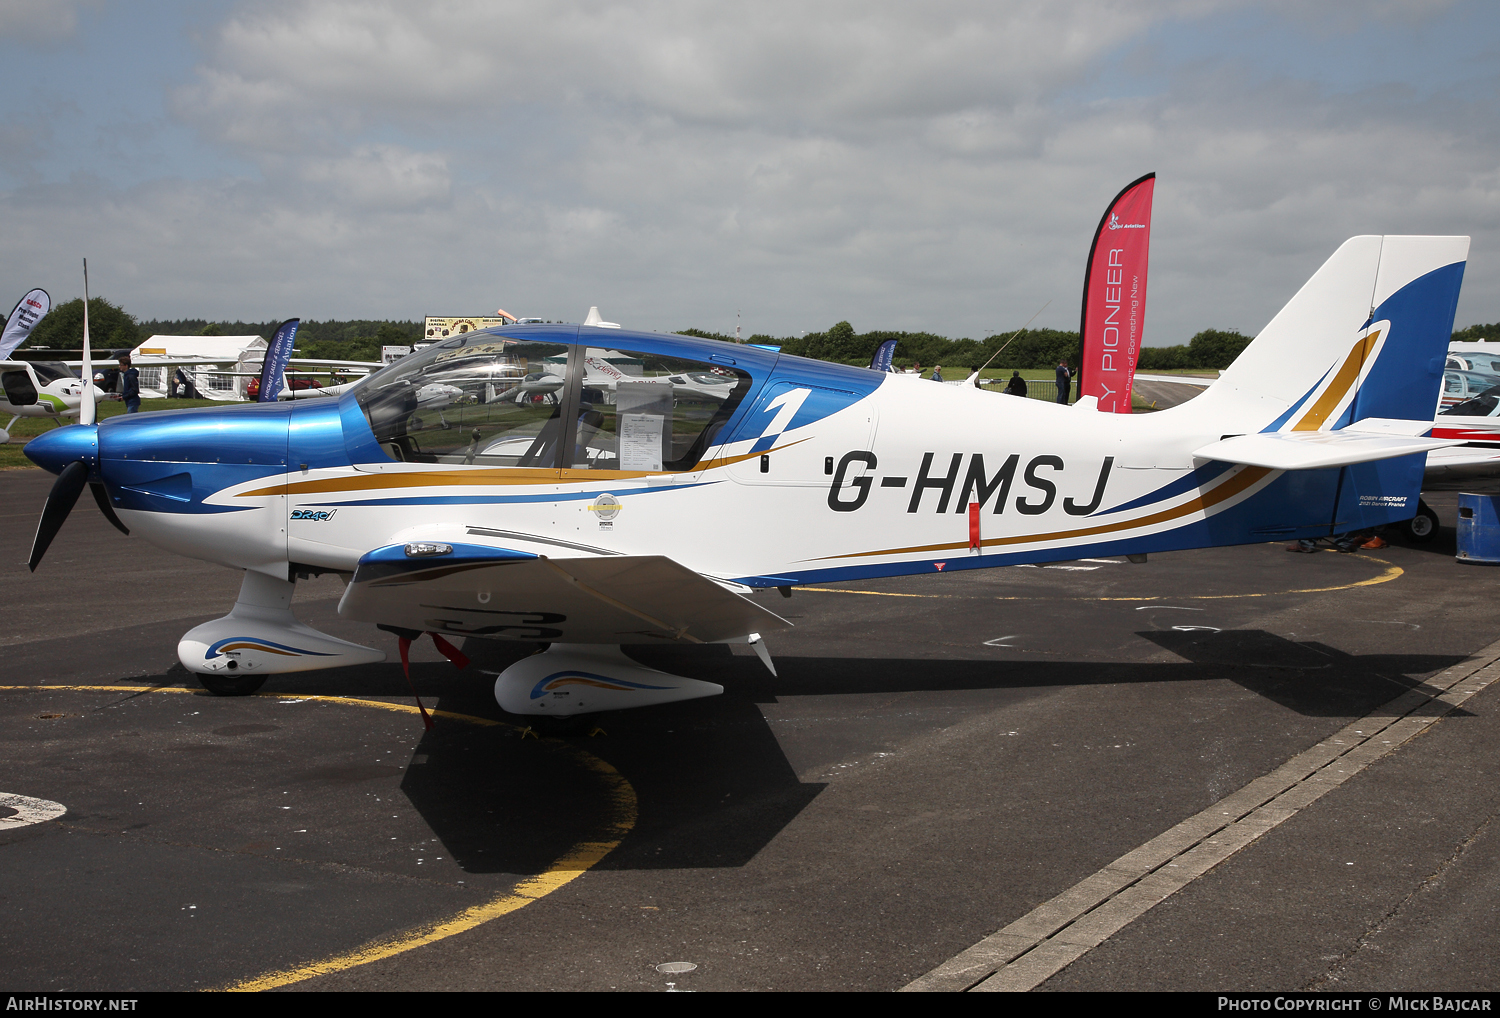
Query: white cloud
(778, 62)
(47, 19)
(385, 175)
(940, 167)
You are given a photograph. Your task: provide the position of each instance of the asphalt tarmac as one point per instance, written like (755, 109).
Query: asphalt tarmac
(938, 756)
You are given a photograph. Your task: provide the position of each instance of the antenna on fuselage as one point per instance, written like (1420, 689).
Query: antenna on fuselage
(86, 408)
(972, 379)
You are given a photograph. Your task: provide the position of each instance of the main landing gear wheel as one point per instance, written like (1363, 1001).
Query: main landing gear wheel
(554, 727)
(220, 684)
(1422, 527)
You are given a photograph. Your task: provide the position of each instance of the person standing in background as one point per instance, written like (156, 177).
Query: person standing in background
(1064, 382)
(130, 386)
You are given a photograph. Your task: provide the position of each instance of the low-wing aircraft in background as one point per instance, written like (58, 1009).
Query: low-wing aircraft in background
(653, 513)
(1476, 424)
(1468, 413)
(46, 389)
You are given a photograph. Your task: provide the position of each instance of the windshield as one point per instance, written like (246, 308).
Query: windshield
(645, 411)
(1483, 405)
(475, 399)
(51, 371)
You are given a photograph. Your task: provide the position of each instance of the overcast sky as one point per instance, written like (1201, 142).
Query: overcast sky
(936, 166)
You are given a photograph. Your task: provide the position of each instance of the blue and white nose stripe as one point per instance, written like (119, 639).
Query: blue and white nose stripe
(233, 643)
(558, 680)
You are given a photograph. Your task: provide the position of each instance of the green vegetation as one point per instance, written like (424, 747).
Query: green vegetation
(1211, 348)
(110, 328)
(1478, 334)
(1034, 348)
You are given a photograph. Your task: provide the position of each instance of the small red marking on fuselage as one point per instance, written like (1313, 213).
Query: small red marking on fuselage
(940, 565)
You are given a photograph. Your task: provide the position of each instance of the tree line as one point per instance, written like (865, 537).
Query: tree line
(112, 328)
(1033, 348)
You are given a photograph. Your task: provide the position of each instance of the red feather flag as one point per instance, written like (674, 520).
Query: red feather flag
(1114, 297)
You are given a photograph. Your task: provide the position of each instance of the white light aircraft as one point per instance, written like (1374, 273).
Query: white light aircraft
(46, 389)
(1468, 413)
(586, 524)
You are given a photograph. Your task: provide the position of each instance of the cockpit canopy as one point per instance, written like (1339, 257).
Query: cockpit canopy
(1486, 404)
(484, 399)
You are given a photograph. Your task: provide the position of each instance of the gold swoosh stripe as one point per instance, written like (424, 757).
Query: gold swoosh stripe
(497, 477)
(414, 479)
(1228, 489)
(1332, 396)
(259, 646)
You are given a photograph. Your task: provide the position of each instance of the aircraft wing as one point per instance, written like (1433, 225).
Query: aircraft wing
(1477, 457)
(472, 590)
(317, 393)
(1361, 442)
(325, 362)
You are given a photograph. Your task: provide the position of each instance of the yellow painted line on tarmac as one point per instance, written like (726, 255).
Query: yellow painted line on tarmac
(1391, 572)
(573, 863)
(884, 593)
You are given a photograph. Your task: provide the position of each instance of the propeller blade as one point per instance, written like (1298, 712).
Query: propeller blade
(86, 408)
(101, 498)
(60, 502)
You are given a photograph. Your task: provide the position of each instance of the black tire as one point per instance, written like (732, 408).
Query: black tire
(1422, 527)
(220, 684)
(554, 727)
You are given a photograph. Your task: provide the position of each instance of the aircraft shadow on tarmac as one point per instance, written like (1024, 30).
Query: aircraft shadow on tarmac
(713, 784)
(1309, 677)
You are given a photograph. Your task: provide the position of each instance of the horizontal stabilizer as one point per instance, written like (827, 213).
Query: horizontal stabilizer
(1311, 450)
(1389, 426)
(609, 599)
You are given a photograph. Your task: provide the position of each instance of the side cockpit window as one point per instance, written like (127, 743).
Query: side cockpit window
(480, 399)
(18, 388)
(643, 412)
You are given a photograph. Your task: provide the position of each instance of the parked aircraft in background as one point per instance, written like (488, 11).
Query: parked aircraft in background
(1481, 357)
(1476, 423)
(47, 389)
(584, 524)
(1460, 386)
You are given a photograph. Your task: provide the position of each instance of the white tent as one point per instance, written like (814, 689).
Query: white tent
(219, 367)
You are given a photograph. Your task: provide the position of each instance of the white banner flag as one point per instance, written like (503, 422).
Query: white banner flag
(18, 326)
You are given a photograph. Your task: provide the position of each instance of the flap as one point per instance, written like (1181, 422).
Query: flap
(515, 596)
(1310, 450)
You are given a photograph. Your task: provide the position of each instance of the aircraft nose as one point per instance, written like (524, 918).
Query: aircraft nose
(53, 450)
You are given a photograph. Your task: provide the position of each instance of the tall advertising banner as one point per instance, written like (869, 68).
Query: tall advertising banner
(18, 326)
(273, 368)
(1114, 298)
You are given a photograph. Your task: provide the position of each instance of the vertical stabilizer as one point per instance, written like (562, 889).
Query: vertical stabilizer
(1364, 337)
